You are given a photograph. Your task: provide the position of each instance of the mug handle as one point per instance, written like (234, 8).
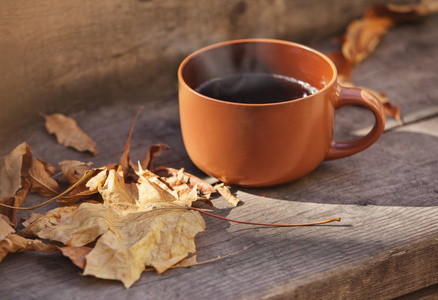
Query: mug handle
(357, 96)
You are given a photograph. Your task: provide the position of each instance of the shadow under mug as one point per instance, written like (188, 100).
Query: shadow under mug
(268, 144)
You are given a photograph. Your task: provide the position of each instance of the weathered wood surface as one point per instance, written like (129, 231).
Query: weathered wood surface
(386, 245)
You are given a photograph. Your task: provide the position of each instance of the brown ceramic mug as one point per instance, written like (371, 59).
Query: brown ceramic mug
(253, 144)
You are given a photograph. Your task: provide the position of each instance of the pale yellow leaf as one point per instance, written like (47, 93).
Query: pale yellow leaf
(98, 180)
(116, 196)
(159, 238)
(125, 244)
(225, 192)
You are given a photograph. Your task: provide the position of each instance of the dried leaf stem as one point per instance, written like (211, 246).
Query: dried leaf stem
(86, 176)
(266, 224)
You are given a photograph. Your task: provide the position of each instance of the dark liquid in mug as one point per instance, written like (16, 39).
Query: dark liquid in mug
(256, 88)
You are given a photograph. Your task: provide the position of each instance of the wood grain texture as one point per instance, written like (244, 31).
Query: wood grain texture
(386, 245)
(63, 55)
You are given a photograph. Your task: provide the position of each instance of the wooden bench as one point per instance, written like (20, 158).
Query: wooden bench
(387, 196)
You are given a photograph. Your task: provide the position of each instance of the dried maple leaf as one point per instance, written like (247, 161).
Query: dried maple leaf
(68, 133)
(156, 229)
(40, 177)
(166, 237)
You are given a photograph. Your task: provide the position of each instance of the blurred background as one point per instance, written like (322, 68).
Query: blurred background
(59, 56)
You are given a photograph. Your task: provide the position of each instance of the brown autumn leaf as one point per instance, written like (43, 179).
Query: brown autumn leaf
(154, 151)
(363, 35)
(11, 242)
(13, 167)
(153, 228)
(73, 170)
(78, 194)
(404, 12)
(15, 201)
(125, 162)
(40, 177)
(69, 134)
(33, 217)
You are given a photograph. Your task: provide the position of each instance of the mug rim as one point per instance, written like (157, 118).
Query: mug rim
(257, 40)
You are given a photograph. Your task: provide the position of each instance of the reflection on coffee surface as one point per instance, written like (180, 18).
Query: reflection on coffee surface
(256, 88)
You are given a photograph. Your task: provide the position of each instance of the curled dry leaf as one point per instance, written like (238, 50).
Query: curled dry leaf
(14, 243)
(79, 193)
(15, 201)
(125, 162)
(33, 217)
(225, 192)
(5, 227)
(12, 167)
(68, 133)
(11, 242)
(362, 38)
(154, 151)
(403, 12)
(363, 35)
(40, 177)
(179, 176)
(73, 170)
